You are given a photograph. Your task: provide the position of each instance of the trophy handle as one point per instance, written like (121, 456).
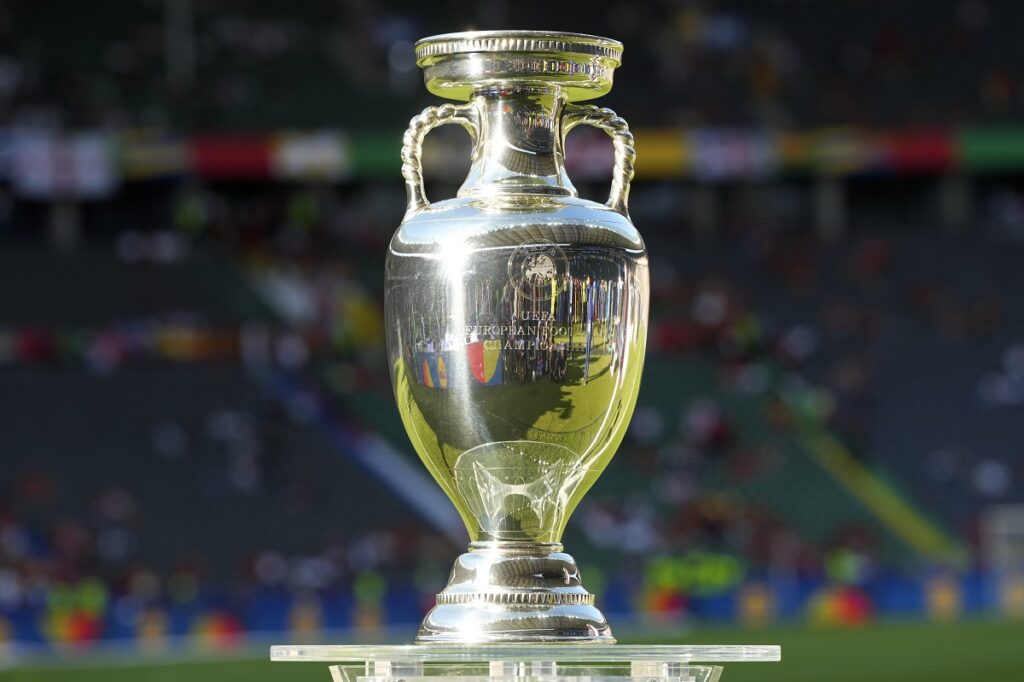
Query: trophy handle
(622, 141)
(412, 145)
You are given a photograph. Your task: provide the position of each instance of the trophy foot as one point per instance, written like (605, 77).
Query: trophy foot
(515, 592)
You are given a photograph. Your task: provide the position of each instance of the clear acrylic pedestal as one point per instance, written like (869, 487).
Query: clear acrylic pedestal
(526, 662)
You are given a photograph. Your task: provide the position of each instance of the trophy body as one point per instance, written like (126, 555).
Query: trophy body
(517, 319)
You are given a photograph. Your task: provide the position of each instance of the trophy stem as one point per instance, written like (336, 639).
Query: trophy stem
(515, 592)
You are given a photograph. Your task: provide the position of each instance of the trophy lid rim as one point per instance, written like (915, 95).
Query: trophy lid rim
(559, 42)
(455, 65)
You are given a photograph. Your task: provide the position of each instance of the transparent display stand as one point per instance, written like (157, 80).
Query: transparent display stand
(526, 662)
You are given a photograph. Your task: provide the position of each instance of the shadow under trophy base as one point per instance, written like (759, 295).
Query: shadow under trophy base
(516, 328)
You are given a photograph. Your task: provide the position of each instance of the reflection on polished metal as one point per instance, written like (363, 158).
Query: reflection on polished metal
(517, 320)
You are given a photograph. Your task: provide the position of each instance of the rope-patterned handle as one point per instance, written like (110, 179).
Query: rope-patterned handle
(622, 141)
(412, 145)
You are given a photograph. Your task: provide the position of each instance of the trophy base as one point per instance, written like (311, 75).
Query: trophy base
(526, 662)
(514, 592)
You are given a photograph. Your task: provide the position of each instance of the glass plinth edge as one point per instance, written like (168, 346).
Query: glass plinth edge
(560, 653)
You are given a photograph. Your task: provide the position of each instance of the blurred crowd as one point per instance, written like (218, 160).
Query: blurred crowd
(197, 65)
(76, 580)
(901, 349)
(771, 334)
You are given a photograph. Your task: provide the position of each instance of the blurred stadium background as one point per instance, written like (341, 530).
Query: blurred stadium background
(199, 451)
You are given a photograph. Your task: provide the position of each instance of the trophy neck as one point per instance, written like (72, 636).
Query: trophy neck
(520, 147)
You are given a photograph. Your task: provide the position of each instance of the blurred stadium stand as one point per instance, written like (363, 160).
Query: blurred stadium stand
(197, 431)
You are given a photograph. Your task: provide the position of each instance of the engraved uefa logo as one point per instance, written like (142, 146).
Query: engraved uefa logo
(538, 270)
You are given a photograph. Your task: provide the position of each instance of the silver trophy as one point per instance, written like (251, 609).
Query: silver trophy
(517, 318)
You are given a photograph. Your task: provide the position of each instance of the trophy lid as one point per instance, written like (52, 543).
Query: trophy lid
(455, 65)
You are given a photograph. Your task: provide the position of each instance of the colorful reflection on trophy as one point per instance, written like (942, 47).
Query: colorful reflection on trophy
(543, 326)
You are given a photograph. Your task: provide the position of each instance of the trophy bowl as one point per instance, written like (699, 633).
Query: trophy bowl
(517, 320)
